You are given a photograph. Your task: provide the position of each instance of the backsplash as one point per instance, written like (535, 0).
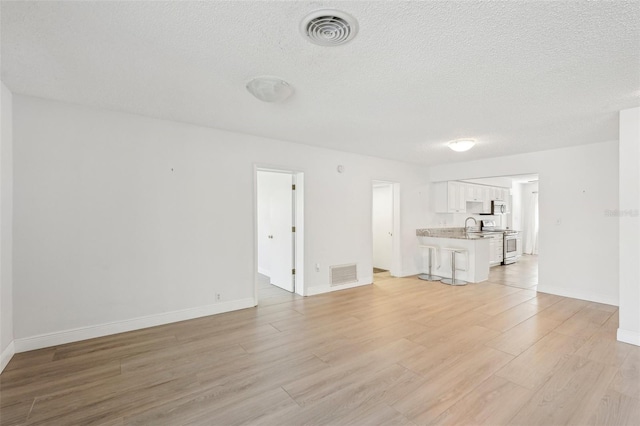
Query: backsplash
(452, 220)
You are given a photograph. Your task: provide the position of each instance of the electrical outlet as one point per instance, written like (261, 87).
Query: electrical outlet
(317, 267)
(218, 297)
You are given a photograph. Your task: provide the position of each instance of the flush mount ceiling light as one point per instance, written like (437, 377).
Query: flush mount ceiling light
(461, 145)
(329, 27)
(269, 89)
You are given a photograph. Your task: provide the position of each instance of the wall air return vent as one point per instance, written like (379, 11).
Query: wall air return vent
(329, 27)
(343, 274)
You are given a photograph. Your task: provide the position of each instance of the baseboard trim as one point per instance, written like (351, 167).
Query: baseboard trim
(404, 274)
(628, 336)
(582, 295)
(6, 356)
(328, 289)
(91, 332)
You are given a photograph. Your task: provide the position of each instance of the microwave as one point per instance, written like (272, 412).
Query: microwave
(498, 207)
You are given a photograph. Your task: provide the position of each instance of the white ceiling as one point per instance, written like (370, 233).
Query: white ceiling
(518, 76)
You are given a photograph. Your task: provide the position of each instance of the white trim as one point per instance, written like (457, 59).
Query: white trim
(90, 332)
(328, 289)
(628, 336)
(299, 246)
(264, 271)
(582, 295)
(6, 356)
(405, 274)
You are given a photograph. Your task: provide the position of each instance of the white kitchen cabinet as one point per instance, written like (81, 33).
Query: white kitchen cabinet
(497, 194)
(486, 199)
(495, 249)
(505, 194)
(450, 197)
(469, 191)
(492, 251)
(457, 197)
(475, 193)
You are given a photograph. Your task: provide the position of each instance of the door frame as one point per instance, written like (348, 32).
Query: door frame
(396, 261)
(298, 222)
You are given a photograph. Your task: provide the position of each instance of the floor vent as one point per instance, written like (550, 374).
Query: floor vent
(343, 274)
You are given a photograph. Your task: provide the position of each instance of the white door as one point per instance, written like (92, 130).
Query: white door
(382, 221)
(275, 227)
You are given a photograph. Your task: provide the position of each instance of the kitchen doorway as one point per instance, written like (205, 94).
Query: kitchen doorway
(522, 216)
(279, 233)
(384, 224)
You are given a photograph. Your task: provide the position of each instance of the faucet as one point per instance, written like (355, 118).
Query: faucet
(467, 219)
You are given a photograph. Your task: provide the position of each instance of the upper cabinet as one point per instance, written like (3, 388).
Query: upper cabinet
(452, 196)
(474, 192)
(487, 193)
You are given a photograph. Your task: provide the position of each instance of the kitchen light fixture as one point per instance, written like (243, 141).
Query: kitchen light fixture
(461, 145)
(269, 89)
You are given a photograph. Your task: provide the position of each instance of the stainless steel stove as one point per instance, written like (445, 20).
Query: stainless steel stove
(510, 241)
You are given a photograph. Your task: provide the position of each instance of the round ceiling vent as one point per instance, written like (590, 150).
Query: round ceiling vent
(329, 27)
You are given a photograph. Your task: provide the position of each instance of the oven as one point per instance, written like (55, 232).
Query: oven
(510, 248)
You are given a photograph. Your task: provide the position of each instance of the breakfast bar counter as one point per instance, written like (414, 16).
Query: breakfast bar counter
(472, 264)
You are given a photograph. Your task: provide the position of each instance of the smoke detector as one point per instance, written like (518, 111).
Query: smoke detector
(329, 27)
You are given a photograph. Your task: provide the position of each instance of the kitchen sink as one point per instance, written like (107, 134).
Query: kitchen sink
(474, 235)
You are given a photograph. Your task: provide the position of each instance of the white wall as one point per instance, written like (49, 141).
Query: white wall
(516, 206)
(628, 213)
(124, 218)
(382, 226)
(455, 220)
(526, 211)
(502, 181)
(6, 226)
(578, 242)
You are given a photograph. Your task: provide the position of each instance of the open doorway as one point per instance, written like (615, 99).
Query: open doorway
(520, 193)
(278, 233)
(384, 236)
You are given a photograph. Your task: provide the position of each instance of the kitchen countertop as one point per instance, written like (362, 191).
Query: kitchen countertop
(455, 233)
(458, 233)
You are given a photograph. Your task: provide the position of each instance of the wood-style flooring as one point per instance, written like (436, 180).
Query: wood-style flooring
(268, 292)
(399, 352)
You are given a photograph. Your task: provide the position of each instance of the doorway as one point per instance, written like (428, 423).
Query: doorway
(278, 218)
(522, 216)
(384, 212)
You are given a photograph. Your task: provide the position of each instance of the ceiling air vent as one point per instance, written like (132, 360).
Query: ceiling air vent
(329, 27)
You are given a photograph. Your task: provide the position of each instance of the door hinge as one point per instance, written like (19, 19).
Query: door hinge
(293, 272)
(293, 229)
(293, 187)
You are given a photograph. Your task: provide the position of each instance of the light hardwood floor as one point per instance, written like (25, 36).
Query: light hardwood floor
(401, 351)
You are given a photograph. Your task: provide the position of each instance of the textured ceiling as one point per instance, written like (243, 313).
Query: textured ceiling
(517, 76)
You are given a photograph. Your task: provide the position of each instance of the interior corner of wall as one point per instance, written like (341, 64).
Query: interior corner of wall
(627, 336)
(6, 356)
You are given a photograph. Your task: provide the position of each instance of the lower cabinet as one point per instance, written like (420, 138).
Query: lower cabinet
(495, 249)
